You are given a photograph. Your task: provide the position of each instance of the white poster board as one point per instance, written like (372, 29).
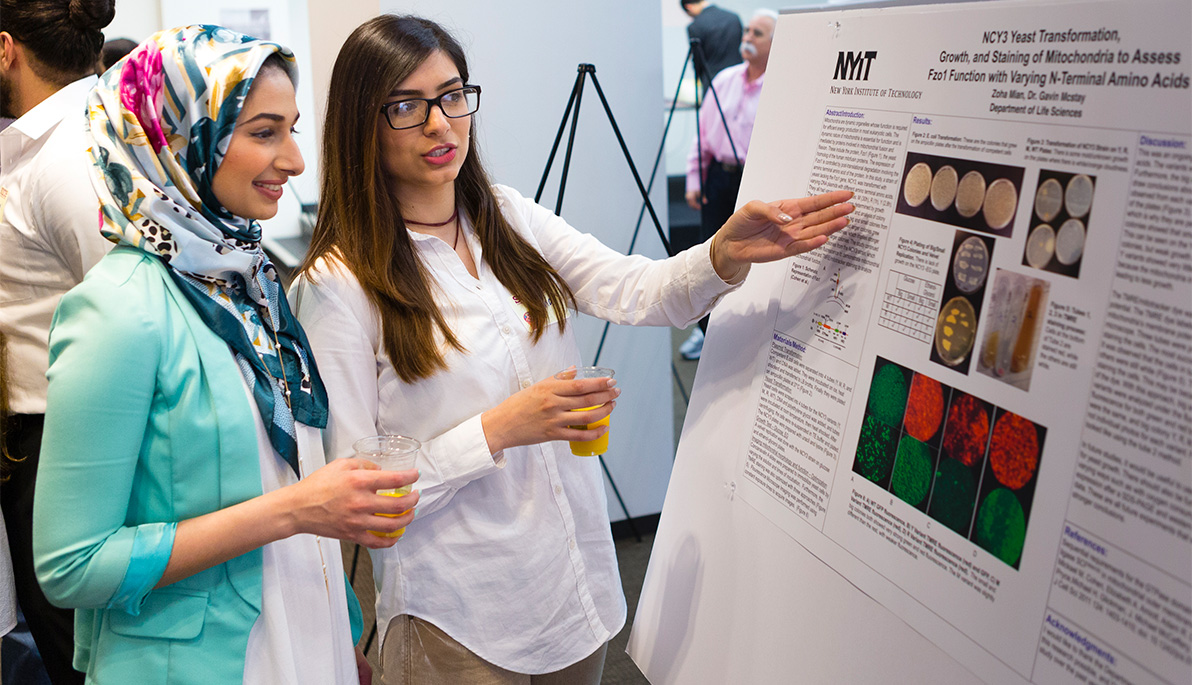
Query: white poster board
(956, 443)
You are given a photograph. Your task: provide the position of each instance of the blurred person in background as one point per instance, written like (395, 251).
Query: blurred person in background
(113, 51)
(717, 159)
(49, 238)
(719, 33)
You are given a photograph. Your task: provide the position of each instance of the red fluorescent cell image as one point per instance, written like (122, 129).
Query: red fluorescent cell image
(1014, 450)
(924, 408)
(967, 430)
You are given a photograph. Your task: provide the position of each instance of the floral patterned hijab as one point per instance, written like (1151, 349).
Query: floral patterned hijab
(161, 120)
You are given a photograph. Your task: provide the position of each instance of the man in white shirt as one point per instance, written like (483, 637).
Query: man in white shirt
(49, 238)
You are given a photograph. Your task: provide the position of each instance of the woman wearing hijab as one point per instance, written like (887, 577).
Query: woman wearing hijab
(183, 505)
(438, 306)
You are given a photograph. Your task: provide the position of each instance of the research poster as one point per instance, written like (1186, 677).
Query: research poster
(975, 404)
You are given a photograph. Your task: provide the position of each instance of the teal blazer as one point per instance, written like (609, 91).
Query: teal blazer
(147, 425)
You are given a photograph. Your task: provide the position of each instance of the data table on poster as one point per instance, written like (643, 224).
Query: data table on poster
(910, 306)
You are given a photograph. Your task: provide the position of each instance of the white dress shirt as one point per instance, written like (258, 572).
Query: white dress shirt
(49, 231)
(511, 553)
(303, 636)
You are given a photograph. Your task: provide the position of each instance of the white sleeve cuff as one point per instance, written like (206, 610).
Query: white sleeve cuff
(461, 454)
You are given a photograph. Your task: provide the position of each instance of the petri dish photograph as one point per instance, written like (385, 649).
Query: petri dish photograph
(1049, 199)
(1001, 199)
(1078, 198)
(1040, 245)
(970, 194)
(1069, 242)
(955, 330)
(971, 265)
(943, 188)
(917, 185)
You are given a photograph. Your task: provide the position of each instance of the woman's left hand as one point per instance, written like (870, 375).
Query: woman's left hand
(768, 231)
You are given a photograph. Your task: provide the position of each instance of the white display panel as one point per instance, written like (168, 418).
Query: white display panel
(973, 406)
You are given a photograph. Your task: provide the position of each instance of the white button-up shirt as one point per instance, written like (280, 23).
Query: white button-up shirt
(511, 553)
(49, 231)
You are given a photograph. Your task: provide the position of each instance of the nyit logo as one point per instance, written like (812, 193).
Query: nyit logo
(854, 66)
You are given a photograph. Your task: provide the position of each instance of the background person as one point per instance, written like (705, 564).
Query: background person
(113, 51)
(183, 506)
(49, 238)
(716, 159)
(438, 306)
(719, 31)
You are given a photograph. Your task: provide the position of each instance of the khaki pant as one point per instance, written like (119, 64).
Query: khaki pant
(417, 652)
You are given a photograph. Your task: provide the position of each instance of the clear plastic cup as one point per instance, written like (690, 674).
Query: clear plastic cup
(391, 453)
(589, 448)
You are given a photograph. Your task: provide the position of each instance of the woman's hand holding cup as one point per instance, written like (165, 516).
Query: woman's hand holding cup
(562, 407)
(341, 500)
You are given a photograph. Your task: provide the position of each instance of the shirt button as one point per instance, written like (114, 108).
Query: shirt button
(558, 489)
(526, 384)
(506, 330)
(571, 543)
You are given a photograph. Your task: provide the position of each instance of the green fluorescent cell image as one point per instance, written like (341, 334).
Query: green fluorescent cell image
(875, 450)
(912, 471)
(1001, 526)
(887, 394)
(954, 495)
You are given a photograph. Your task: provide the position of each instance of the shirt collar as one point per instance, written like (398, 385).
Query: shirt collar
(70, 98)
(752, 85)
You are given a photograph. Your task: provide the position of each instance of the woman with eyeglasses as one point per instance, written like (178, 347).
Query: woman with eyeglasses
(183, 504)
(438, 305)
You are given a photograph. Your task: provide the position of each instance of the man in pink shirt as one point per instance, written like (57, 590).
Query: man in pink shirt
(715, 163)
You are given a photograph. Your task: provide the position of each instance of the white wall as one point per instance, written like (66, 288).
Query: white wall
(525, 54)
(135, 20)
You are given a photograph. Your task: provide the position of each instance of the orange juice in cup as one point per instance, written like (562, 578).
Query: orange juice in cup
(391, 453)
(590, 448)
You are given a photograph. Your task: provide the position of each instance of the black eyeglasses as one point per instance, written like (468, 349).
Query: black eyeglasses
(413, 112)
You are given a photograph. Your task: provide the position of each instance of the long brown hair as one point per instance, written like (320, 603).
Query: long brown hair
(359, 219)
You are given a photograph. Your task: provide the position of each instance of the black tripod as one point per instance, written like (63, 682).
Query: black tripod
(694, 57)
(571, 111)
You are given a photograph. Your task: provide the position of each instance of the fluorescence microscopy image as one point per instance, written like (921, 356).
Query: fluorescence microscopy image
(953, 495)
(924, 408)
(887, 393)
(1011, 473)
(1000, 527)
(875, 450)
(960, 460)
(1014, 450)
(912, 471)
(967, 432)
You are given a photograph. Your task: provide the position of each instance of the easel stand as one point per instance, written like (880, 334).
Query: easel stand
(571, 111)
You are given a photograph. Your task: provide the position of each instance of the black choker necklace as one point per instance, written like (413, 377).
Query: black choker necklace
(441, 223)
